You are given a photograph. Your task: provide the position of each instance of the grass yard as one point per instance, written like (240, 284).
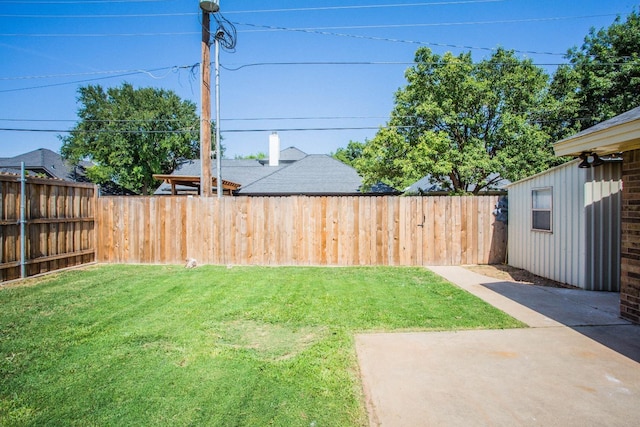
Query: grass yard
(246, 346)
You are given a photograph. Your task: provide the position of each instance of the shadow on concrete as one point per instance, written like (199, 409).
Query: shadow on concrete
(593, 314)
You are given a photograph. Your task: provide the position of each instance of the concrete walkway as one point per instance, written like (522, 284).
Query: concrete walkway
(577, 365)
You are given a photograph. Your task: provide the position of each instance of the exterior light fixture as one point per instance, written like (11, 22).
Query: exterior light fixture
(590, 160)
(211, 6)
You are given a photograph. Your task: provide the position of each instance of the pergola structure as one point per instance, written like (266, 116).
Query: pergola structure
(228, 187)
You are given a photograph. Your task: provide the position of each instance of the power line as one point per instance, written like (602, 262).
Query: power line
(224, 119)
(177, 131)
(94, 16)
(442, 24)
(93, 73)
(35, 3)
(122, 74)
(355, 36)
(260, 64)
(306, 9)
(314, 30)
(193, 130)
(369, 6)
(125, 73)
(185, 33)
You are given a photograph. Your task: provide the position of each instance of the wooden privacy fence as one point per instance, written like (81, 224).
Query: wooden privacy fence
(300, 230)
(58, 224)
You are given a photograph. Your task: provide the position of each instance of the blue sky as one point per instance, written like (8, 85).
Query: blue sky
(49, 48)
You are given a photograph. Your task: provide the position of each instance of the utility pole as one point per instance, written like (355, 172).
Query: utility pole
(218, 153)
(205, 101)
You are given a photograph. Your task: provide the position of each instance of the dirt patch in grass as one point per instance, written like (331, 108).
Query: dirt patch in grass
(512, 274)
(271, 342)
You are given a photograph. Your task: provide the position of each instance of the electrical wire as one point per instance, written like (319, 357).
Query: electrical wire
(122, 74)
(369, 6)
(92, 73)
(99, 131)
(139, 15)
(443, 24)
(226, 33)
(226, 131)
(307, 9)
(36, 3)
(125, 73)
(224, 119)
(261, 64)
(356, 36)
(185, 33)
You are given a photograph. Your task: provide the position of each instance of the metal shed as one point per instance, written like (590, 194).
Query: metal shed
(564, 234)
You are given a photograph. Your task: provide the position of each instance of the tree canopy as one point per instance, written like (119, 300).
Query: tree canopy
(603, 79)
(350, 153)
(465, 124)
(131, 134)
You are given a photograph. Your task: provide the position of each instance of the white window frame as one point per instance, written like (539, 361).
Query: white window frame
(535, 208)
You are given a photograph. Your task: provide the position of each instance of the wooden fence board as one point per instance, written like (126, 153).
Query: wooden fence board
(299, 230)
(59, 225)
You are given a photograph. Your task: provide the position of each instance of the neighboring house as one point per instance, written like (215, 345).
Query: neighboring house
(284, 173)
(620, 134)
(48, 164)
(427, 185)
(44, 163)
(564, 224)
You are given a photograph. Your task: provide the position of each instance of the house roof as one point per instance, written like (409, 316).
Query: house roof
(43, 161)
(194, 182)
(314, 174)
(290, 154)
(242, 171)
(426, 184)
(297, 173)
(618, 134)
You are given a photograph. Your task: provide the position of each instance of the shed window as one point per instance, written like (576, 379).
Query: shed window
(541, 209)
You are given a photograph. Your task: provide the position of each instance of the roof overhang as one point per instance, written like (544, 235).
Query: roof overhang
(228, 187)
(608, 140)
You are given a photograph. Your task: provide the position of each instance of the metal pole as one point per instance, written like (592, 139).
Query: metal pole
(218, 154)
(23, 221)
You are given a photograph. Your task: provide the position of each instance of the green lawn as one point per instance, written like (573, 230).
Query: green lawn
(245, 346)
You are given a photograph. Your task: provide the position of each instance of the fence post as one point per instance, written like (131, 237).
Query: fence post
(23, 221)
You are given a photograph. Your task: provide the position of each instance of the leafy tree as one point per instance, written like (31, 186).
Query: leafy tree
(259, 156)
(606, 73)
(131, 134)
(350, 153)
(466, 125)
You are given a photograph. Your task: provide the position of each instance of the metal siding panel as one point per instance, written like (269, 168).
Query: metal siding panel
(558, 255)
(578, 245)
(604, 230)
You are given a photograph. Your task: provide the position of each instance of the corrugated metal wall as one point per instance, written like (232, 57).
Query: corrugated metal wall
(603, 203)
(583, 247)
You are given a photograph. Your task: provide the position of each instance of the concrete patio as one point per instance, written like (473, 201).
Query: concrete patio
(578, 364)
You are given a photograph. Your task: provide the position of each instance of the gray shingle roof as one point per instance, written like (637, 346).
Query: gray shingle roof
(426, 184)
(297, 173)
(42, 161)
(313, 175)
(243, 172)
(623, 118)
(291, 154)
